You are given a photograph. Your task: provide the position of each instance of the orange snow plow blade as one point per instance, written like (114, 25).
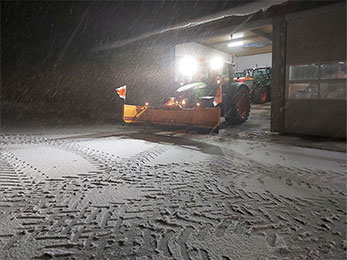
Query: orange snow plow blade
(208, 118)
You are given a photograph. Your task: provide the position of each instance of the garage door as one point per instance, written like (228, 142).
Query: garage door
(315, 90)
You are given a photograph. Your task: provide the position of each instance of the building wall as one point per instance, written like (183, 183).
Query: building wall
(253, 61)
(315, 101)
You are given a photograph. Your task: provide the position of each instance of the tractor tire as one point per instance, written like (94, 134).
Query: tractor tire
(260, 95)
(237, 106)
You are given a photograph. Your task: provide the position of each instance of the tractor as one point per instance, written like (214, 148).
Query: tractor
(235, 96)
(206, 95)
(235, 105)
(261, 88)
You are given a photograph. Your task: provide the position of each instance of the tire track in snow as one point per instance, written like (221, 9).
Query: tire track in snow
(177, 196)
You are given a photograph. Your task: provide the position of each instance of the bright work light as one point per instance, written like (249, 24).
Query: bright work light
(234, 44)
(216, 63)
(188, 66)
(237, 35)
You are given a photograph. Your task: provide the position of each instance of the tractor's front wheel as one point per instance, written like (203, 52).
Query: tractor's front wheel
(237, 106)
(260, 95)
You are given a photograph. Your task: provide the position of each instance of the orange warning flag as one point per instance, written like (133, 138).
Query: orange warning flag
(218, 98)
(122, 91)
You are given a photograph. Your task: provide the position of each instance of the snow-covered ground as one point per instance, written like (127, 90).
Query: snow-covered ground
(115, 192)
(291, 156)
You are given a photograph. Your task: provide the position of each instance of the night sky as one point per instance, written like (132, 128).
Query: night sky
(42, 42)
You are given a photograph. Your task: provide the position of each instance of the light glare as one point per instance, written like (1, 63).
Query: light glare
(234, 44)
(188, 66)
(237, 35)
(216, 63)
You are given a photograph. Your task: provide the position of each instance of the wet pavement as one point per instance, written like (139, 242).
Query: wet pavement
(116, 192)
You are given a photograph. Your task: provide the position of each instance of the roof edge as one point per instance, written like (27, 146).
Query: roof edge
(244, 10)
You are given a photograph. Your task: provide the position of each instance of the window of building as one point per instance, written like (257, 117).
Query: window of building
(317, 81)
(333, 71)
(303, 90)
(336, 90)
(303, 72)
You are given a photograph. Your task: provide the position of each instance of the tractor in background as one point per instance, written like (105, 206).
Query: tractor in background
(261, 88)
(258, 81)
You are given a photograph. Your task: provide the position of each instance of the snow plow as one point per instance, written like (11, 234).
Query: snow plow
(192, 108)
(199, 104)
(205, 118)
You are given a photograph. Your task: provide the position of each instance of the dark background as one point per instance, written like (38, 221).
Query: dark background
(48, 69)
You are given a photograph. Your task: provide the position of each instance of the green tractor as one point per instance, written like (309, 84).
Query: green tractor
(234, 96)
(235, 105)
(261, 89)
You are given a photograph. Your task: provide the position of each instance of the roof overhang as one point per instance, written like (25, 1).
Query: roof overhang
(244, 10)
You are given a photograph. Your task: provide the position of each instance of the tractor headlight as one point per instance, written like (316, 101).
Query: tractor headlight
(171, 103)
(188, 66)
(216, 63)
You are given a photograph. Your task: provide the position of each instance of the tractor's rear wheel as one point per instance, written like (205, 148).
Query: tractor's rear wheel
(260, 95)
(237, 106)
